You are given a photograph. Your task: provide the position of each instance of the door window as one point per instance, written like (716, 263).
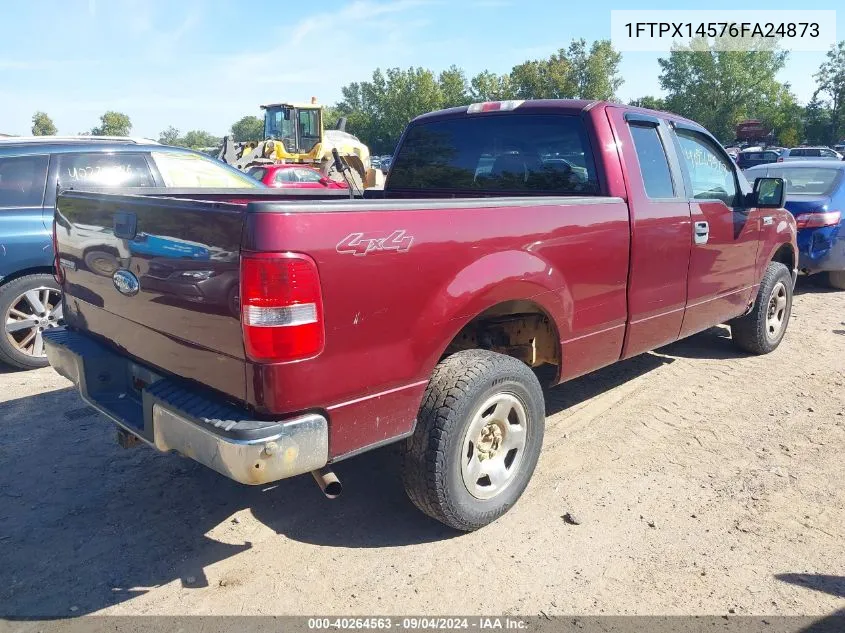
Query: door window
(711, 174)
(306, 175)
(22, 181)
(653, 163)
(98, 169)
(285, 175)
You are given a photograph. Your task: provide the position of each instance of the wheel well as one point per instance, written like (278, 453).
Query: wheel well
(785, 256)
(521, 329)
(35, 270)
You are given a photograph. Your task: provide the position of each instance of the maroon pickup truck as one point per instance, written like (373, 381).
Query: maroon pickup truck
(265, 335)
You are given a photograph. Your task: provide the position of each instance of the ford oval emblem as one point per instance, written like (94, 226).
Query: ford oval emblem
(126, 283)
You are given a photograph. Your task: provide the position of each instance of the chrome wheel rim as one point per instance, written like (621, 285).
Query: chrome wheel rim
(776, 310)
(31, 313)
(493, 445)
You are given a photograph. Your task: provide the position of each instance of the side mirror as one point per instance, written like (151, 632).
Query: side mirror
(769, 193)
(325, 181)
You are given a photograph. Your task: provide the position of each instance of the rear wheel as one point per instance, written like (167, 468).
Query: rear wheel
(477, 440)
(29, 305)
(836, 279)
(761, 330)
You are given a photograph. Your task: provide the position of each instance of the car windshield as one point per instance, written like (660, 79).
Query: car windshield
(816, 181)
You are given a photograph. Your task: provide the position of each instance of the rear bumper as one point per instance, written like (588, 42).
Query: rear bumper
(821, 249)
(174, 416)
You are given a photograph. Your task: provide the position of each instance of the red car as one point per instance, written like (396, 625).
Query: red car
(560, 236)
(294, 177)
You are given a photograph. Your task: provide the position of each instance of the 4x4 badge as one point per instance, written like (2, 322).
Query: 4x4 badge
(360, 244)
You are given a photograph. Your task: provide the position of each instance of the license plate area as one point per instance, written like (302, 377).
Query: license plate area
(116, 385)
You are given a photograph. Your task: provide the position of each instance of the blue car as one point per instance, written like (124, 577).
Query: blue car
(815, 195)
(31, 169)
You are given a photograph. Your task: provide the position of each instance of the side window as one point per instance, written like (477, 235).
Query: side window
(711, 174)
(285, 175)
(813, 152)
(827, 153)
(22, 181)
(797, 152)
(99, 169)
(306, 175)
(192, 170)
(653, 163)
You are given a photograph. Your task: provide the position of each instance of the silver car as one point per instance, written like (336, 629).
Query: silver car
(809, 153)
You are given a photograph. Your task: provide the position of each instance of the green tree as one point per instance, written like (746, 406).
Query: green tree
(196, 139)
(249, 128)
(719, 88)
(113, 124)
(454, 89)
(596, 73)
(487, 86)
(42, 125)
(652, 103)
(378, 110)
(816, 121)
(170, 136)
(830, 80)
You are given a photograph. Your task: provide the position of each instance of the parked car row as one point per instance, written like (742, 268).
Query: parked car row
(31, 171)
(815, 195)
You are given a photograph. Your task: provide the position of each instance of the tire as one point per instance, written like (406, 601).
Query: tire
(761, 330)
(17, 304)
(472, 412)
(836, 279)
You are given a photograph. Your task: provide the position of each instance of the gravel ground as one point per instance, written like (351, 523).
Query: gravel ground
(702, 481)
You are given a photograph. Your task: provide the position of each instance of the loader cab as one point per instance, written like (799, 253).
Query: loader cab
(299, 128)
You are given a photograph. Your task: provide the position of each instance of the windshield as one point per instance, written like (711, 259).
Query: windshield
(815, 181)
(525, 153)
(279, 125)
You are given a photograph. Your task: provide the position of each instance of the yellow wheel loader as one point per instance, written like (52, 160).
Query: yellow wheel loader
(295, 133)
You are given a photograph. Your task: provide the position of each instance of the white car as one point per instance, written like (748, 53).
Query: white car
(809, 153)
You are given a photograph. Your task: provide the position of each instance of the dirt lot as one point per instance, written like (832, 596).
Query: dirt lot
(703, 480)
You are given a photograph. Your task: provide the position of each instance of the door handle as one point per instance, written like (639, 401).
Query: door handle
(702, 232)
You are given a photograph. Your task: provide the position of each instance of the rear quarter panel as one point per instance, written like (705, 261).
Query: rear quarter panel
(391, 313)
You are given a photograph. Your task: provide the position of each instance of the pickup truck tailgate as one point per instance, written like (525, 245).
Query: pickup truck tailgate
(158, 278)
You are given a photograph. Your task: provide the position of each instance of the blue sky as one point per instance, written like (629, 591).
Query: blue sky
(202, 64)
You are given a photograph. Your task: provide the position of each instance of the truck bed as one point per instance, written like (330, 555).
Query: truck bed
(399, 279)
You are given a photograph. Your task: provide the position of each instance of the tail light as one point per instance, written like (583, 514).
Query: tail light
(780, 159)
(58, 273)
(817, 220)
(281, 307)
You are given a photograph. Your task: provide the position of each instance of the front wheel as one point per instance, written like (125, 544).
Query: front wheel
(761, 330)
(477, 440)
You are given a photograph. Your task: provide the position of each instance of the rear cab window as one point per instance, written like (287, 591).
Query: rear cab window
(103, 169)
(23, 180)
(525, 153)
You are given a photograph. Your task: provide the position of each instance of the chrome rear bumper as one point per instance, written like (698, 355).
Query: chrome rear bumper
(174, 416)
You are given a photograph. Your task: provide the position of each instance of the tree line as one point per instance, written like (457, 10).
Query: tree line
(703, 82)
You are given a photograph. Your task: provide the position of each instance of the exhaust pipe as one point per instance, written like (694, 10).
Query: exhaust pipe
(328, 482)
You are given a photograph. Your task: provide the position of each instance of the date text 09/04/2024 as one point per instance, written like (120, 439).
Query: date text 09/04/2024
(766, 30)
(418, 623)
